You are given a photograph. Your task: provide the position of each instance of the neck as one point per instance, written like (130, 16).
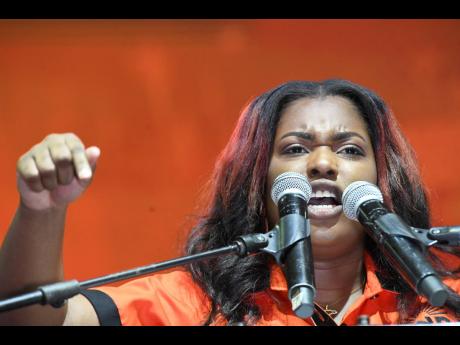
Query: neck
(337, 277)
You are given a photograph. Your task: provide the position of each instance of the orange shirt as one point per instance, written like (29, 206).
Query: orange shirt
(174, 299)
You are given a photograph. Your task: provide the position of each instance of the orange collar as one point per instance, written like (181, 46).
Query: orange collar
(372, 288)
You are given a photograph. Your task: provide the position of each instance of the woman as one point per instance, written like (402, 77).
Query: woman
(334, 132)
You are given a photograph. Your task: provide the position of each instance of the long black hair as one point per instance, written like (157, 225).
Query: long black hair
(236, 193)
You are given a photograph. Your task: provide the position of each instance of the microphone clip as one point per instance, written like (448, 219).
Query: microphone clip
(445, 235)
(275, 242)
(279, 240)
(438, 236)
(393, 226)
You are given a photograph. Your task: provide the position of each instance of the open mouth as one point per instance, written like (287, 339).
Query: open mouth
(325, 201)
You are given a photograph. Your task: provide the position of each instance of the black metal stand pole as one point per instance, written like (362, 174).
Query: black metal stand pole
(57, 293)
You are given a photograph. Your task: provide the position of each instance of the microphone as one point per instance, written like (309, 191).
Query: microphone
(363, 202)
(291, 192)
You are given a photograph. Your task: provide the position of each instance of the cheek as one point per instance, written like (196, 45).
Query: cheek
(370, 169)
(278, 166)
(274, 169)
(364, 171)
(371, 172)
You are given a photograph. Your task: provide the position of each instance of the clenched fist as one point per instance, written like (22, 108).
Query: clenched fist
(55, 172)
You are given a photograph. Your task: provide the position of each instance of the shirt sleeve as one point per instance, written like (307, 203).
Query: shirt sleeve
(160, 299)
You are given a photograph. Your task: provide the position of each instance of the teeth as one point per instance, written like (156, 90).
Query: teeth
(321, 206)
(323, 194)
(317, 194)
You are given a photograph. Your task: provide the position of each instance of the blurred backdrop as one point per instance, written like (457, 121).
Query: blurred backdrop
(161, 97)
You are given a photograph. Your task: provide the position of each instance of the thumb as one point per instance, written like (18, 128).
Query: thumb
(93, 153)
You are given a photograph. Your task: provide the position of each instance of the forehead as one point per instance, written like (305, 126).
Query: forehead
(328, 114)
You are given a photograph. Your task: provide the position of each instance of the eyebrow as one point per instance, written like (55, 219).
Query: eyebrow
(340, 136)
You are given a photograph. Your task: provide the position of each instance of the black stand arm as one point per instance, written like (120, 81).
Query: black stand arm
(56, 294)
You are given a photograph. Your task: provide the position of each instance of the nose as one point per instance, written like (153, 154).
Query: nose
(322, 163)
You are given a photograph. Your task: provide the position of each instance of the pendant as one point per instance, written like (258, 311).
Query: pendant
(330, 312)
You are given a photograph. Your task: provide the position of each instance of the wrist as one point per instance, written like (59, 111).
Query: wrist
(49, 211)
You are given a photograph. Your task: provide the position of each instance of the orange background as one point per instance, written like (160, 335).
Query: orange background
(161, 97)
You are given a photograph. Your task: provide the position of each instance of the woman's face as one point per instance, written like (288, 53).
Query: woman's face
(325, 139)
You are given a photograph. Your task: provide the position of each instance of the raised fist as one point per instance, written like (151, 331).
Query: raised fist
(56, 171)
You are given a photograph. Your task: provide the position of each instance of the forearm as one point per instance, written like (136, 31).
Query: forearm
(31, 255)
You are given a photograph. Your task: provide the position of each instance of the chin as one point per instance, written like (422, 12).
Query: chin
(324, 236)
(327, 225)
(337, 239)
(331, 231)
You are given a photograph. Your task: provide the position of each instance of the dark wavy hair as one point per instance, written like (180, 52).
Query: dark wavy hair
(236, 193)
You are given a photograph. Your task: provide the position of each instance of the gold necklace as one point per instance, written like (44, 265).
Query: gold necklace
(332, 312)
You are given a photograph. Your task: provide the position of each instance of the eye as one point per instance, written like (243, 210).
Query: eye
(352, 151)
(295, 149)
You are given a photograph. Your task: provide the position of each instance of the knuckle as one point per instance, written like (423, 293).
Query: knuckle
(78, 154)
(41, 152)
(22, 162)
(74, 141)
(43, 162)
(29, 176)
(36, 148)
(73, 137)
(26, 168)
(53, 137)
(61, 156)
(47, 171)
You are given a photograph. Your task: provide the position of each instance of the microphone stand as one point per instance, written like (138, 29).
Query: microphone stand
(438, 236)
(56, 294)
(275, 242)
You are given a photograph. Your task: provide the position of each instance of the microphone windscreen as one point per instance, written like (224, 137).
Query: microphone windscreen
(355, 194)
(291, 182)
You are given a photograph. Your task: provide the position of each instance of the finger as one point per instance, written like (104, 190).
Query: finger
(28, 172)
(62, 159)
(46, 167)
(93, 153)
(80, 161)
